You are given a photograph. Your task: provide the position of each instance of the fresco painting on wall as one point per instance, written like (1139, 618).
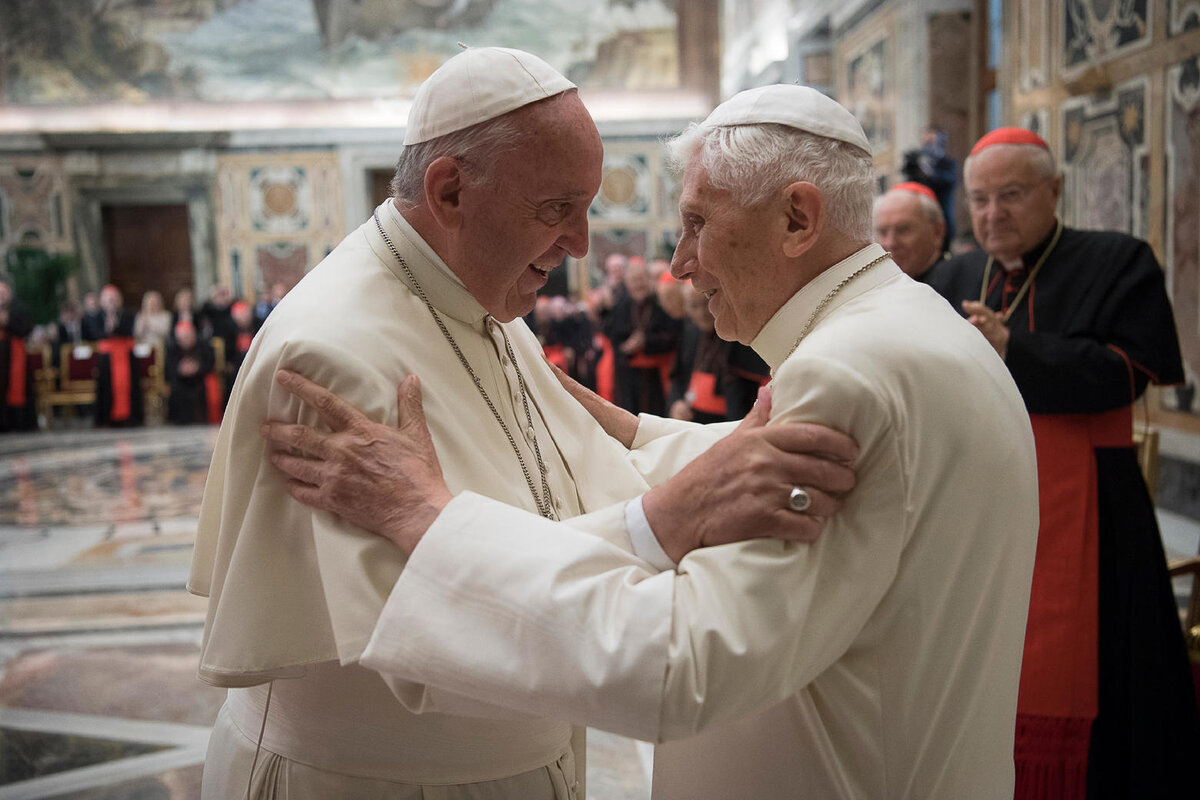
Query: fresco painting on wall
(869, 95)
(1106, 160)
(246, 50)
(1183, 224)
(1184, 16)
(1099, 30)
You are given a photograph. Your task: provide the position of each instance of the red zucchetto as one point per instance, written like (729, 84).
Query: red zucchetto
(914, 188)
(1008, 136)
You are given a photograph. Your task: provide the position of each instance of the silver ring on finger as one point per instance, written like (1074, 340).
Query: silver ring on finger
(799, 500)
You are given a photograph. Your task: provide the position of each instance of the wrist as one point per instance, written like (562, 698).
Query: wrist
(411, 526)
(657, 505)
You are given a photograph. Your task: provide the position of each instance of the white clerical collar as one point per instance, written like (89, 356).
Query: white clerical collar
(443, 288)
(774, 343)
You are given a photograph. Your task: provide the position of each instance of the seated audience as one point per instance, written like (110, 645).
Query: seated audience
(188, 372)
(152, 324)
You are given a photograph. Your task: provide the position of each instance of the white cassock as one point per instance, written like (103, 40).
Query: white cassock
(880, 662)
(294, 595)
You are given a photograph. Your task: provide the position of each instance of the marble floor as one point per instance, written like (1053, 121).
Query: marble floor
(99, 639)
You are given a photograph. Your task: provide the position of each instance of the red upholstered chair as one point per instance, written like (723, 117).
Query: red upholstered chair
(76, 384)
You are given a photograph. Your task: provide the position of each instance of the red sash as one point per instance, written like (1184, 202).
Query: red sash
(605, 369)
(213, 397)
(243, 342)
(16, 373)
(556, 355)
(1057, 701)
(702, 391)
(662, 362)
(118, 349)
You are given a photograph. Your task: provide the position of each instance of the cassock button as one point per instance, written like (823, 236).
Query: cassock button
(529, 433)
(504, 360)
(491, 326)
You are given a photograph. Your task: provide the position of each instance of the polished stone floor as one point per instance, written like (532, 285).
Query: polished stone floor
(98, 639)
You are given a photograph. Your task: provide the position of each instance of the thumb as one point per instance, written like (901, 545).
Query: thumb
(761, 413)
(409, 410)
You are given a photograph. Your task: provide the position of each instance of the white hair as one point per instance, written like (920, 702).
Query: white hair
(476, 149)
(754, 161)
(1041, 159)
(931, 210)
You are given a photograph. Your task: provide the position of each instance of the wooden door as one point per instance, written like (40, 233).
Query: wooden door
(148, 248)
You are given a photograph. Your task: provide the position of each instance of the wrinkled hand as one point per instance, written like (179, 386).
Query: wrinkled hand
(738, 489)
(989, 323)
(616, 421)
(634, 344)
(680, 410)
(385, 480)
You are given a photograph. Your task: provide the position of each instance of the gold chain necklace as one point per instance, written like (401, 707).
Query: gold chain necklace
(544, 505)
(812, 318)
(987, 273)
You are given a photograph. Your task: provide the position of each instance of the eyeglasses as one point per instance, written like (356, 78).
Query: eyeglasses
(1010, 196)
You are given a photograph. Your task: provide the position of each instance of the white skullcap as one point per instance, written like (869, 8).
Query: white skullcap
(800, 107)
(476, 85)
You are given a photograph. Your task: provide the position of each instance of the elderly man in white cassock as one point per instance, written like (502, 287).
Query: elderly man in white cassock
(882, 659)
(500, 163)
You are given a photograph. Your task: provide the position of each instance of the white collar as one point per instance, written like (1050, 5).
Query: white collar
(443, 288)
(774, 343)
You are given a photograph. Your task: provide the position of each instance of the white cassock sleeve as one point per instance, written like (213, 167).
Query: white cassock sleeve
(548, 618)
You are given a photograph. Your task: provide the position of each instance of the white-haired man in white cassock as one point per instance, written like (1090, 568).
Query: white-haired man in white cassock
(500, 163)
(881, 660)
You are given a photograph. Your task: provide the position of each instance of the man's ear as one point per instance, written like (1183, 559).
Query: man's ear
(443, 185)
(805, 211)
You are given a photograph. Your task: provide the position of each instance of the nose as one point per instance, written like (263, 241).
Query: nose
(683, 263)
(575, 238)
(887, 239)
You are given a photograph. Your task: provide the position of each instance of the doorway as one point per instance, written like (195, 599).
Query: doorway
(148, 247)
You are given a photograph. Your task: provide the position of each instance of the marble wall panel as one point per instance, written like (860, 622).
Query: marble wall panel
(1182, 146)
(278, 215)
(1033, 44)
(626, 187)
(33, 205)
(1105, 159)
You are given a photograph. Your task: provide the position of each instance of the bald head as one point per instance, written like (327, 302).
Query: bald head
(909, 226)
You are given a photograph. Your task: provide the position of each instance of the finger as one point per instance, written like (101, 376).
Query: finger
(308, 495)
(298, 437)
(814, 439)
(335, 412)
(409, 411)
(760, 413)
(821, 504)
(303, 469)
(804, 529)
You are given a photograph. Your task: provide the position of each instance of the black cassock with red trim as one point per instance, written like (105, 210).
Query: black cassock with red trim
(1094, 327)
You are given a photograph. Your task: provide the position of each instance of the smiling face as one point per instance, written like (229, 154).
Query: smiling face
(732, 254)
(1012, 200)
(530, 211)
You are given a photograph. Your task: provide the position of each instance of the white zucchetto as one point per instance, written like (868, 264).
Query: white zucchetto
(476, 85)
(799, 107)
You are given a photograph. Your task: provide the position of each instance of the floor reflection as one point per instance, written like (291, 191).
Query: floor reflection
(99, 639)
